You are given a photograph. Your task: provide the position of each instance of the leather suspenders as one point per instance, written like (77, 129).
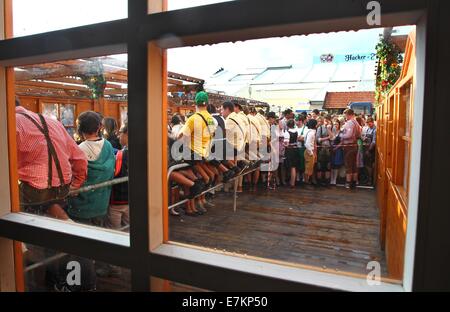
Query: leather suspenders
(52, 156)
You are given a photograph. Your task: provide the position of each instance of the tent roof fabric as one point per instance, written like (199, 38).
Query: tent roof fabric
(312, 81)
(335, 100)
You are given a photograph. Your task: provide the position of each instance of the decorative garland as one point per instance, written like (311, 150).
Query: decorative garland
(95, 80)
(389, 69)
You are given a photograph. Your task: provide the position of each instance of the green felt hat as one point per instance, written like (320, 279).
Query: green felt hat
(201, 98)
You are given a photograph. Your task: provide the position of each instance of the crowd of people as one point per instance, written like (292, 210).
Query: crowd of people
(291, 150)
(49, 177)
(214, 146)
(315, 147)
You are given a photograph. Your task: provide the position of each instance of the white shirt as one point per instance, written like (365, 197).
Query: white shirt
(254, 129)
(235, 131)
(310, 138)
(175, 131)
(245, 125)
(301, 133)
(372, 131)
(264, 124)
(92, 149)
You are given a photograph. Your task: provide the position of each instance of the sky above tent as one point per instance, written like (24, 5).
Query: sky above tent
(38, 16)
(203, 61)
(31, 17)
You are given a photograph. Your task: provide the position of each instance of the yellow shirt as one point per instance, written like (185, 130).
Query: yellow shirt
(200, 133)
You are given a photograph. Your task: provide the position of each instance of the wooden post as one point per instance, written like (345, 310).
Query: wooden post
(157, 153)
(11, 264)
(164, 107)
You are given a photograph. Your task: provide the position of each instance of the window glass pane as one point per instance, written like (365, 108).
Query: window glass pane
(67, 114)
(405, 131)
(53, 271)
(240, 198)
(405, 103)
(33, 17)
(390, 131)
(408, 99)
(84, 104)
(406, 167)
(50, 111)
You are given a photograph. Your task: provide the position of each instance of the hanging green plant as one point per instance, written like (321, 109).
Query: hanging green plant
(389, 59)
(94, 79)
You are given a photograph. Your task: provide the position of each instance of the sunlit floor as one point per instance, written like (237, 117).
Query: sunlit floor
(333, 229)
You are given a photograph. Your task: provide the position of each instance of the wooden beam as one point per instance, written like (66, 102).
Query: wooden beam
(182, 88)
(185, 77)
(66, 80)
(113, 85)
(110, 77)
(164, 150)
(65, 68)
(116, 91)
(43, 93)
(38, 73)
(175, 82)
(156, 161)
(8, 19)
(17, 264)
(52, 85)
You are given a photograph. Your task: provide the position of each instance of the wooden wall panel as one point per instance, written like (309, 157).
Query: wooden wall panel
(83, 106)
(157, 157)
(381, 199)
(30, 104)
(112, 109)
(390, 163)
(395, 233)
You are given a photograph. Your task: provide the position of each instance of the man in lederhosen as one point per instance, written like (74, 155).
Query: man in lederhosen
(255, 139)
(236, 128)
(50, 164)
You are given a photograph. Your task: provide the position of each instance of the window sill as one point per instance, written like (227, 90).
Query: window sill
(299, 275)
(75, 229)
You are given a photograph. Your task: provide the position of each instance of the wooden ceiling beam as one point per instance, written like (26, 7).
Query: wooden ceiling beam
(116, 91)
(185, 77)
(38, 91)
(175, 82)
(61, 74)
(51, 85)
(113, 85)
(178, 88)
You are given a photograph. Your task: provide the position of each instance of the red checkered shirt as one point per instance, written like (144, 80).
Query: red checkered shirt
(33, 156)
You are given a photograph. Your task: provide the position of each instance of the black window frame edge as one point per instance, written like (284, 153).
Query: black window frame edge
(78, 42)
(139, 28)
(108, 252)
(432, 248)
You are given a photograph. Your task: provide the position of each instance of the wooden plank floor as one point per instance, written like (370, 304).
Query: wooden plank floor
(333, 229)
